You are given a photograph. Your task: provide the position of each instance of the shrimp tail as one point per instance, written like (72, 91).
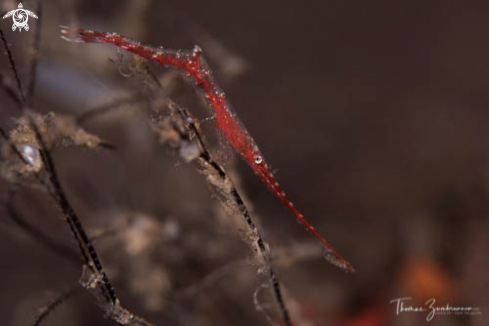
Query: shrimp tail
(266, 176)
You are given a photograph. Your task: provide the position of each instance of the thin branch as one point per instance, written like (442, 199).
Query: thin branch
(105, 108)
(98, 280)
(117, 103)
(46, 310)
(211, 279)
(13, 67)
(85, 245)
(11, 92)
(207, 161)
(86, 248)
(37, 234)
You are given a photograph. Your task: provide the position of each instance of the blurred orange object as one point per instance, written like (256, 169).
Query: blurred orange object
(423, 279)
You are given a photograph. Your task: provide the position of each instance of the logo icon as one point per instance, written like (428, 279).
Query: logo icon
(20, 16)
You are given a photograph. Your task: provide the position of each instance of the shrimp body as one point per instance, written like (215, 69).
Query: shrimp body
(193, 64)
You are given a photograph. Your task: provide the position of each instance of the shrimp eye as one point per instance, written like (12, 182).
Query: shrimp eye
(258, 159)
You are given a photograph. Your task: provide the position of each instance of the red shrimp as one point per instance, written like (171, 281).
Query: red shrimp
(194, 65)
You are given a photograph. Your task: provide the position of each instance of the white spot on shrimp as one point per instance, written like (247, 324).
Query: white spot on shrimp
(282, 194)
(291, 204)
(258, 159)
(197, 50)
(220, 94)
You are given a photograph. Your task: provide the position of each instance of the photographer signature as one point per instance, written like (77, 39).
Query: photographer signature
(432, 309)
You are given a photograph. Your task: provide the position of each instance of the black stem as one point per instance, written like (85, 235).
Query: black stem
(14, 69)
(205, 155)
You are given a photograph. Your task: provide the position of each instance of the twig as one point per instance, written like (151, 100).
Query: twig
(85, 245)
(37, 234)
(14, 69)
(99, 281)
(9, 90)
(86, 248)
(207, 161)
(105, 108)
(46, 310)
(211, 279)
